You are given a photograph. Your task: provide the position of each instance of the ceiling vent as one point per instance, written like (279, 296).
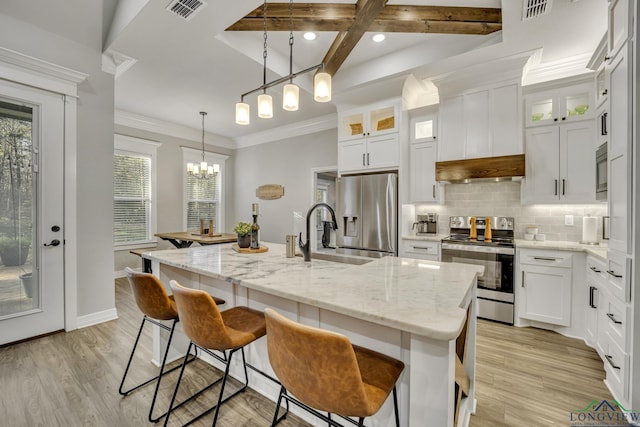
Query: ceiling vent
(186, 9)
(534, 8)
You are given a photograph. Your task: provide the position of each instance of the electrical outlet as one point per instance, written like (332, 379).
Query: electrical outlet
(568, 220)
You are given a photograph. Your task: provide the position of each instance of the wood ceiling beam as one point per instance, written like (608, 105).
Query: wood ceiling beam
(366, 12)
(340, 17)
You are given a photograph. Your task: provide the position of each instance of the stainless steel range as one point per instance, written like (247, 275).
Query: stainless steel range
(486, 241)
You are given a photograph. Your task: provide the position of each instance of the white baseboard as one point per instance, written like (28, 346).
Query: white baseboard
(98, 317)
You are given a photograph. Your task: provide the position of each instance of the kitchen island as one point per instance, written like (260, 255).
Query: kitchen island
(409, 309)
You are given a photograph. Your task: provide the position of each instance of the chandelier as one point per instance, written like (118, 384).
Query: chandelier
(203, 170)
(290, 94)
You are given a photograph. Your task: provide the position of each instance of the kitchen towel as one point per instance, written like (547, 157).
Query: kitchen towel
(589, 229)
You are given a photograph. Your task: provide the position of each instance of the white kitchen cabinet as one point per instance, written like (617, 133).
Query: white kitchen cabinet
(481, 123)
(560, 105)
(617, 369)
(369, 154)
(368, 138)
(619, 275)
(423, 153)
(545, 286)
(421, 249)
(597, 301)
(619, 150)
(369, 121)
(620, 20)
(560, 163)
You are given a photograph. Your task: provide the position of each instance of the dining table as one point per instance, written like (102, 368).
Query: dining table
(184, 239)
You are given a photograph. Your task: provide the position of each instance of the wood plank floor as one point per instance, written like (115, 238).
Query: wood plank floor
(525, 377)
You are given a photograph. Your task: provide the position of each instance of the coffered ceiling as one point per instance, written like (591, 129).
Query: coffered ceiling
(204, 64)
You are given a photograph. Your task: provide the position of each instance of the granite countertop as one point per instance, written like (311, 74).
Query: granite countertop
(416, 296)
(596, 250)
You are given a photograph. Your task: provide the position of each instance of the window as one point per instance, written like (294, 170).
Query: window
(134, 207)
(204, 196)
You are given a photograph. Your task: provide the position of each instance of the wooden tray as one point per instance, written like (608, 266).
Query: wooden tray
(207, 234)
(238, 249)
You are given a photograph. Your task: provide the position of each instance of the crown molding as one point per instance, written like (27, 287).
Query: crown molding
(20, 68)
(116, 63)
(149, 124)
(573, 66)
(305, 127)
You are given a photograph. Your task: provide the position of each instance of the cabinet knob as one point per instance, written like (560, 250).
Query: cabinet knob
(555, 120)
(607, 58)
(564, 118)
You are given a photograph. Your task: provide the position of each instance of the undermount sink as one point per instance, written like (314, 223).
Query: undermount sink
(344, 259)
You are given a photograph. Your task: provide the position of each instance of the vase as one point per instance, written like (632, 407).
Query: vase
(27, 283)
(244, 241)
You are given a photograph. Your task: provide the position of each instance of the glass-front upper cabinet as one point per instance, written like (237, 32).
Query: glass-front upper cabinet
(561, 105)
(368, 121)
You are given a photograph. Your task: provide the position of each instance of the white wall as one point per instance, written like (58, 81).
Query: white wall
(94, 172)
(170, 190)
(287, 162)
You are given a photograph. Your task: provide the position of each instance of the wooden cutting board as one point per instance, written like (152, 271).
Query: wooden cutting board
(238, 249)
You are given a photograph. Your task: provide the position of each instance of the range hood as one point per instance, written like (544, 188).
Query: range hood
(500, 168)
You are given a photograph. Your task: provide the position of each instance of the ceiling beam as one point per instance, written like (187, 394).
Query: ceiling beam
(392, 18)
(366, 12)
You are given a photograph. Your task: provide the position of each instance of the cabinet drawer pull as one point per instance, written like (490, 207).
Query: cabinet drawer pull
(522, 279)
(363, 164)
(555, 185)
(563, 185)
(367, 159)
(595, 270)
(613, 273)
(592, 291)
(542, 258)
(610, 360)
(421, 247)
(433, 190)
(613, 319)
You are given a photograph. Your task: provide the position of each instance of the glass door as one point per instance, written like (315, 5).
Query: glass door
(31, 212)
(18, 286)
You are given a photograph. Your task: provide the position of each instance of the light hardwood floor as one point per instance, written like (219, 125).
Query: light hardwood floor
(525, 377)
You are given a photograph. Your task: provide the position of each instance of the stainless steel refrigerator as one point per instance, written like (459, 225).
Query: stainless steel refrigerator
(367, 214)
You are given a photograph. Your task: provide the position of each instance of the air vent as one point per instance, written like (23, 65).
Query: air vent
(186, 9)
(534, 8)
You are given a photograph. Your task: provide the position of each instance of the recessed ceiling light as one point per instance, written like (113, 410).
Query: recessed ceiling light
(309, 35)
(378, 37)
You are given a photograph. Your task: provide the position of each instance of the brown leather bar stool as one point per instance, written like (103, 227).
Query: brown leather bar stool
(156, 306)
(325, 372)
(209, 329)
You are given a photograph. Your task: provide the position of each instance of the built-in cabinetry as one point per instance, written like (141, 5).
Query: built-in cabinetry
(560, 163)
(560, 145)
(619, 80)
(482, 122)
(597, 300)
(545, 286)
(368, 138)
(420, 249)
(423, 153)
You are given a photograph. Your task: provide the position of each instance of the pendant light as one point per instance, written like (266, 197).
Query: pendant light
(203, 170)
(291, 92)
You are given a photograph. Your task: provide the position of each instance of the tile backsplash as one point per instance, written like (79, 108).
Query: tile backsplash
(503, 199)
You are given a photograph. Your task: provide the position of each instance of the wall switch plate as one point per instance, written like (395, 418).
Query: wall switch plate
(568, 220)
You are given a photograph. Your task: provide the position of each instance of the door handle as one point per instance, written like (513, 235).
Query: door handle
(367, 159)
(433, 187)
(363, 164)
(555, 186)
(613, 319)
(522, 279)
(563, 185)
(54, 242)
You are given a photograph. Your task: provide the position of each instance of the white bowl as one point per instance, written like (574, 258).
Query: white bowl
(540, 237)
(528, 236)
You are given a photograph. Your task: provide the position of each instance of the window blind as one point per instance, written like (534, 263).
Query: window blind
(132, 198)
(203, 195)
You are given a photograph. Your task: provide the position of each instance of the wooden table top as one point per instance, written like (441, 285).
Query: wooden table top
(187, 236)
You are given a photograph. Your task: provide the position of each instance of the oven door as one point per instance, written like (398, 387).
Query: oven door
(495, 285)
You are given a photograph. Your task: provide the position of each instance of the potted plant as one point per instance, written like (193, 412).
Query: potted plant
(243, 230)
(14, 251)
